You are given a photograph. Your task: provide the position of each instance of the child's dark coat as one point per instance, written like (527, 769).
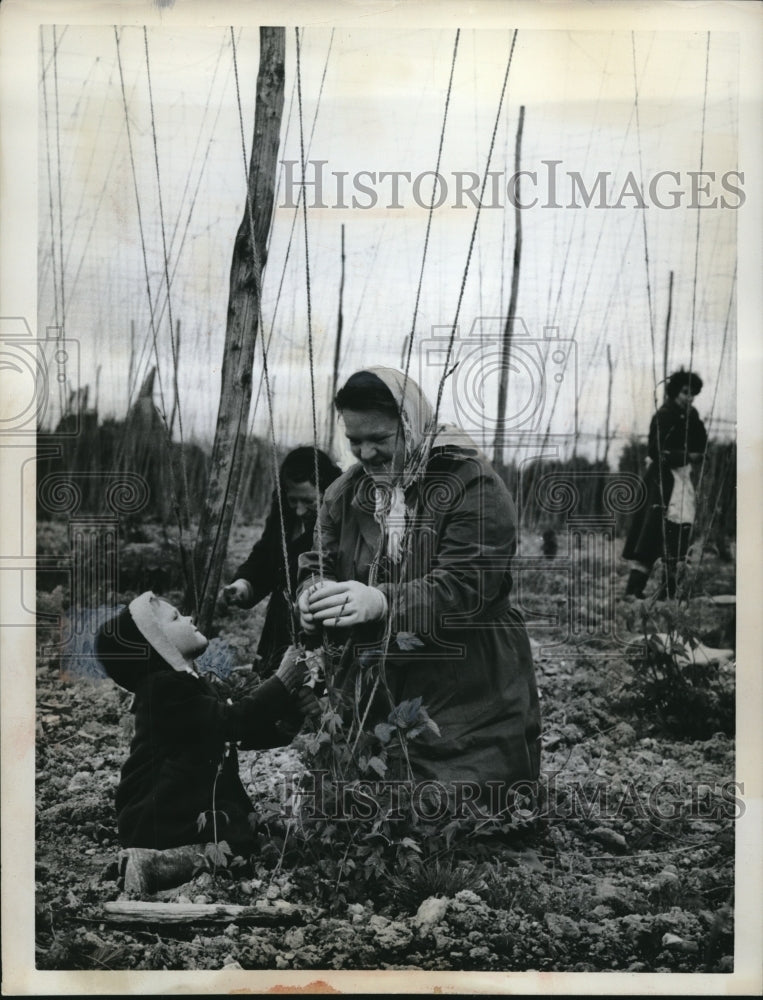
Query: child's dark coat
(183, 734)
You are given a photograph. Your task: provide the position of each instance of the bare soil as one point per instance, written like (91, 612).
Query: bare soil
(631, 869)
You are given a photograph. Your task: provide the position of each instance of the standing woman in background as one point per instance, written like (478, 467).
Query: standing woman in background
(662, 528)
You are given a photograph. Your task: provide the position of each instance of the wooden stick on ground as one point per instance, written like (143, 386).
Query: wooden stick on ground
(262, 912)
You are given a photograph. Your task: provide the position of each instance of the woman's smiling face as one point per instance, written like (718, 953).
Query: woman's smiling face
(179, 629)
(376, 440)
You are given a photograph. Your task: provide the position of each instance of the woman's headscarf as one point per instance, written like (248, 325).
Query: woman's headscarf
(420, 436)
(417, 419)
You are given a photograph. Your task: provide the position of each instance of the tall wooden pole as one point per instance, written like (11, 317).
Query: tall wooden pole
(241, 333)
(337, 351)
(175, 401)
(130, 372)
(609, 405)
(667, 330)
(509, 327)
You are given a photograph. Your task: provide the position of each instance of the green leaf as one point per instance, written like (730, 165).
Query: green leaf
(407, 641)
(332, 721)
(411, 844)
(378, 765)
(218, 854)
(413, 708)
(405, 714)
(383, 731)
(431, 724)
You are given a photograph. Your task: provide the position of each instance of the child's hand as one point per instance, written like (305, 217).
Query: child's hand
(308, 704)
(292, 669)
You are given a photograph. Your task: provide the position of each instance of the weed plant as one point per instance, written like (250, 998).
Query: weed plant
(689, 697)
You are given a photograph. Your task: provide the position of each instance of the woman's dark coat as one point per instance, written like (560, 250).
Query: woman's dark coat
(472, 664)
(673, 436)
(264, 571)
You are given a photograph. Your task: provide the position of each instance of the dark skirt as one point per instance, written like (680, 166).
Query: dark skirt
(651, 536)
(481, 692)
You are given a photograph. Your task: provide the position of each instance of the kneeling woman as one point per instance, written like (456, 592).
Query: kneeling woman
(416, 542)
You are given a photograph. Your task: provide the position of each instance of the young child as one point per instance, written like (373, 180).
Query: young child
(183, 763)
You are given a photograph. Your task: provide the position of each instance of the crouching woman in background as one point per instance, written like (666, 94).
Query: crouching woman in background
(270, 571)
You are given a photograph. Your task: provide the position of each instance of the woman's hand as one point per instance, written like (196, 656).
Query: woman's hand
(237, 593)
(305, 617)
(342, 605)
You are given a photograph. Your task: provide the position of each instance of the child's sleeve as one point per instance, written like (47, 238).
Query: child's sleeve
(190, 711)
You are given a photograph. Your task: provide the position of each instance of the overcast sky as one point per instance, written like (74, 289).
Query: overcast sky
(584, 270)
